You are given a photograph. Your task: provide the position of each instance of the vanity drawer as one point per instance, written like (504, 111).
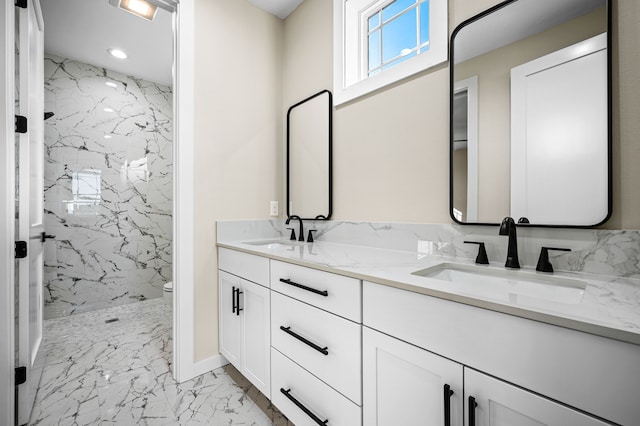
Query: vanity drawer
(248, 266)
(340, 367)
(327, 291)
(315, 396)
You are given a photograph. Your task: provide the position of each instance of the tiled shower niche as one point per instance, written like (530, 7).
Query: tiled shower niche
(108, 188)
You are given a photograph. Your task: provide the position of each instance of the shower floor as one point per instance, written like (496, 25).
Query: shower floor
(104, 371)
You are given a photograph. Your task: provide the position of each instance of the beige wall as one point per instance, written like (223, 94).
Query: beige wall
(238, 133)
(391, 155)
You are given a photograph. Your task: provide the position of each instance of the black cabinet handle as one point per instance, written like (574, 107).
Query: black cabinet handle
(472, 411)
(324, 293)
(305, 341)
(233, 299)
(238, 308)
(308, 412)
(447, 405)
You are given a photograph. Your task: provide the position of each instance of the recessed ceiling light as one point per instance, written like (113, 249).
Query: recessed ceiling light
(111, 84)
(108, 136)
(117, 53)
(140, 8)
(109, 110)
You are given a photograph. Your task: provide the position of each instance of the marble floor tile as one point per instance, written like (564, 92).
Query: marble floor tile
(119, 373)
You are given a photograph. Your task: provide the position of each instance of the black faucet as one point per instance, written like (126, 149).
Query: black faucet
(508, 227)
(301, 233)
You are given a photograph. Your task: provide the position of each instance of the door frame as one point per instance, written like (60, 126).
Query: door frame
(183, 203)
(7, 212)
(470, 85)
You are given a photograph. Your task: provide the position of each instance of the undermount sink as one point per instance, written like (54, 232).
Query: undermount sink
(515, 286)
(271, 244)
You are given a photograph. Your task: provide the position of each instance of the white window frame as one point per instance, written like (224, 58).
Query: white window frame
(350, 55)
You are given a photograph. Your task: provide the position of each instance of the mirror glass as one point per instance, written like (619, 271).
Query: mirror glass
(309, 135)
(530, 114)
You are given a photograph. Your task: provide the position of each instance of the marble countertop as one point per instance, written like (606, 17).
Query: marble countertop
(609, 306)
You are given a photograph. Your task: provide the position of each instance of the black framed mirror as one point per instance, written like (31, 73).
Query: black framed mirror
(309, 150)
(530, 114)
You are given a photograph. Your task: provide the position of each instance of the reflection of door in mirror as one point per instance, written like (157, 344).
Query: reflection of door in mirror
(465, 150)
(558, 116)
(308, 157)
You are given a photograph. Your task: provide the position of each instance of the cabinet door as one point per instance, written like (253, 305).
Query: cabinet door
(230, 322)
(501, 404)
(255, 314)
(406, 385)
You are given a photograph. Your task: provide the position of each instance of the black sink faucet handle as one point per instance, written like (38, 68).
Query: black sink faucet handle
(310, 236)
(544, 265)
(481, 258)
(293, 234)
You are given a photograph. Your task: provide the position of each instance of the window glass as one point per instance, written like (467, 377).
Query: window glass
(374, 50)
(424, 25)
(399, 36)
(394, 8)
(374, 21)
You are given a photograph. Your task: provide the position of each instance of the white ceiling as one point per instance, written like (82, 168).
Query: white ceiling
(280, 8)
(83, 30)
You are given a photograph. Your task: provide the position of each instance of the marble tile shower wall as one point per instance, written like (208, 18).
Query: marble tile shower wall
(108, 188)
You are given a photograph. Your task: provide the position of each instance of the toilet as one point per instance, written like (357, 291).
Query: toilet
(167, 293)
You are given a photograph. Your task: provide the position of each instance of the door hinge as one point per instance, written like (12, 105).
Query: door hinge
(22, 3)
(21, 124)
(21, 375)
(21, 249)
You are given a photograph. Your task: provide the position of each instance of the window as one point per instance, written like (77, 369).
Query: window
(378, 42)
(86, 191)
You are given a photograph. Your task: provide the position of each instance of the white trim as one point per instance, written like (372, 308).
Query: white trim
(183, 200)
(347, 48)
(471, 86)
(204, 366)
(7, 214)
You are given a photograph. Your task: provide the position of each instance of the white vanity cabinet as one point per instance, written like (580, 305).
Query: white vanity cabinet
(406, 385)
(534, 367)
(316, 336)
(244, 316)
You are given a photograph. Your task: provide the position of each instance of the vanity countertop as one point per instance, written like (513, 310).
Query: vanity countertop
(609, 306)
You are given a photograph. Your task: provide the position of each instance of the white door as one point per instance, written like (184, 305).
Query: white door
(496, 403)
(405, 385)
(255, 314)
(30, 197)
(229, 317)
(559, 161)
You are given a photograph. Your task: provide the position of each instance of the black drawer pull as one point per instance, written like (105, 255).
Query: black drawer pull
(472, 411)
(324, 293)
(447, 405)
(303, 340)
(236, 300)
(233, 299)
(303, 408)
